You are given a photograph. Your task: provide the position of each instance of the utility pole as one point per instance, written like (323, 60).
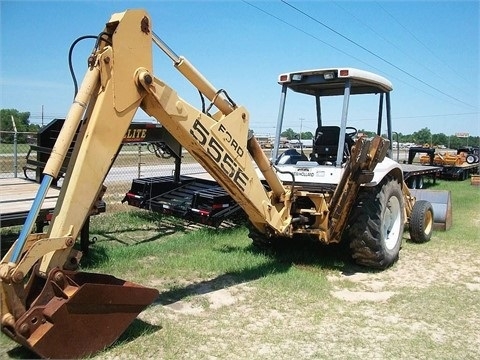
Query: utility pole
(15, 148)
(301, 122)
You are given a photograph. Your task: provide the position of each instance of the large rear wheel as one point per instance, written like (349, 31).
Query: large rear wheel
(376, 224)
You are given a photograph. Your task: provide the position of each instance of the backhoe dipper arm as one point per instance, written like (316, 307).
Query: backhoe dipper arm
(43, 304)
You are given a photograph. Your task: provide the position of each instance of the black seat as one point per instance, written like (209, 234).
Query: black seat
(325, 145)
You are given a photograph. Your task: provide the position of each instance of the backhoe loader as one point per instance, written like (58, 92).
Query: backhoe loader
(57, 311)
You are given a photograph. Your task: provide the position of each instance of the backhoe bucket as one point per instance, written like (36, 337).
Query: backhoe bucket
(441, 204)
(77, 314)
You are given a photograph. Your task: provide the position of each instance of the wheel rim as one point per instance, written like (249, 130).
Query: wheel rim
(392, 223)
(428, 223)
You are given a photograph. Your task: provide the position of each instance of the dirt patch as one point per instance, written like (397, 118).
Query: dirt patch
(418, 269)
(210, 300)
(356, 296)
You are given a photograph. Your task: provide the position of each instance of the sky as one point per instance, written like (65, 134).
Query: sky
(429, 50)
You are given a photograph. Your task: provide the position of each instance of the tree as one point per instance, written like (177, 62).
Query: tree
(457, 142)
(423, 136)
(366, 133)
(21, 121)
(289, 134)
(439, 139)
(307, 135)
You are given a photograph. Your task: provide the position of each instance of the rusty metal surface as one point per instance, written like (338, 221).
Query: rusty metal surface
(77, 314)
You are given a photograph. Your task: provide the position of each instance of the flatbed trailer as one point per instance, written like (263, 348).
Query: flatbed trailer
(453, 171)
(195, 198)
(416, 174)
(17, 194)
(459, 172)
(16, 198)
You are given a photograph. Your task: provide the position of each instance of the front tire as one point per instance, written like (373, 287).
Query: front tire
(421, 222)
(376, 225)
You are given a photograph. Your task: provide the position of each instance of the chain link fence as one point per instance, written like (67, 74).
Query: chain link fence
(135, 160)
(13, 153)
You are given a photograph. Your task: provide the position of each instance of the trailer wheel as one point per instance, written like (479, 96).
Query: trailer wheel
(376, 225)
(419, 181)
(421, 222)
(412, 182)
(415, 182)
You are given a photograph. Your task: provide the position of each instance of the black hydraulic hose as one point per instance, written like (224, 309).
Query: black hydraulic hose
(286, 172)
(202, 99)
(221, 91)
(70, 52)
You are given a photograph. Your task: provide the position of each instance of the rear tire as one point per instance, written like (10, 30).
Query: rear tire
(421, 222)
(376, 225)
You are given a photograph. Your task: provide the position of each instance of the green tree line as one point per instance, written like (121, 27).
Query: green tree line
(22, 123)
(421, 137)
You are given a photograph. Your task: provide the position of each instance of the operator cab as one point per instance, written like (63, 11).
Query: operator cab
(332, 142)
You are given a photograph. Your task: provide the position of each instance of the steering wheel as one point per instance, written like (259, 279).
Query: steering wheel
(353, 131)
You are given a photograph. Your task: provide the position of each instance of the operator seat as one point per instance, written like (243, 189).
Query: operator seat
(325, 145)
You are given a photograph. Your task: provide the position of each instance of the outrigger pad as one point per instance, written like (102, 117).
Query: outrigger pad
(78, 314)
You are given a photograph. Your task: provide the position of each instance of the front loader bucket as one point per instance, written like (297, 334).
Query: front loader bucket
(77, 314)
(441, 204)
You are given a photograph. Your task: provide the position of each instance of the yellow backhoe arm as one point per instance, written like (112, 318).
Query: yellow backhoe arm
(119, 80)
(44, 303)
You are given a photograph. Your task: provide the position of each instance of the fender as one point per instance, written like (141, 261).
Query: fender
(386, 167)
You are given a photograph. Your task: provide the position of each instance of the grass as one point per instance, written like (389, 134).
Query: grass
(466, 210)
(222, 298)
(200, 254)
